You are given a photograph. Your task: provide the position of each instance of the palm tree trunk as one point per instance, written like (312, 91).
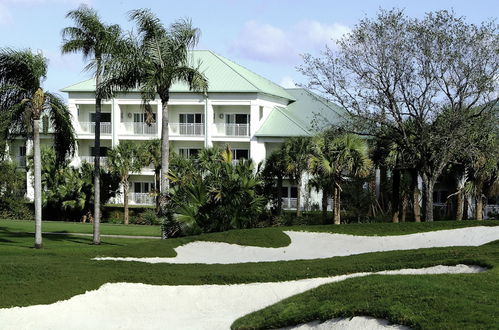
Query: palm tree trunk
(96, 225)
(38, 183)
(157, 184)
(395, 195)
(165, 150)
(403, 207)
(460, 206)
(337, 206)
(279, 194)
(479, 203)
(324, 205)
(416, 208)
(298, 198)
(429, 186)
(125, 202)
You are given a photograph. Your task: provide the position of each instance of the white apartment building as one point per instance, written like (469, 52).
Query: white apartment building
(241, 108)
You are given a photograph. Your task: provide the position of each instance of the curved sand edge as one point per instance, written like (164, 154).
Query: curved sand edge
(141, 306)
(354, 323)
(312, 245)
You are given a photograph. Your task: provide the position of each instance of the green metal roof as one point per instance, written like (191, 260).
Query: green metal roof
(224, 76)
(298, 117)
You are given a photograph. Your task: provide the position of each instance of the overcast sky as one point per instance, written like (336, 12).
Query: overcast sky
(267, 37)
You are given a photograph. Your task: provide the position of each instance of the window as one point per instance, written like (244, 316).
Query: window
(188, 152)
(103, 151)
(142, 187)
(105, 117)
(140, 117)
(261, 113)
(237, 118)
(289, 192)
(191, 118)
(240, 154)
(22, 151)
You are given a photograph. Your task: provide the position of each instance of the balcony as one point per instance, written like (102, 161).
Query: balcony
(142, 198)
(140, 129)
(231, 130)
(289, 203)
(186, 129)
(91, 159)
(89, 128)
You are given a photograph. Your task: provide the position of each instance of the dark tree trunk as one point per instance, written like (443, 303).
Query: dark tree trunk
(429, 186)
(395, 195)
(403, 207)
(337, 206)
(416, 207)
(383, 182)
(324, 205)
(460, 206)
(279, 195)
(298, 198)
(479, 203)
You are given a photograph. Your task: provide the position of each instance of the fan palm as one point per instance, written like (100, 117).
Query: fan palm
(154, 61)
(296, 152)
(97, 42)
(22, 103)
(336, 158)
(123, 160)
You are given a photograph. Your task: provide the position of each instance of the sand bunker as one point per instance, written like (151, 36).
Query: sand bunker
(357, 322)
(309, 245)
(141, 306)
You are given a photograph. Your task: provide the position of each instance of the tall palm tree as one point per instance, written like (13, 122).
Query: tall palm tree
(154, 61)
(337, 158)
(22, 103)
(275, 169)
(296, 154)
(96, 41)
(151, 156)
(123, 160)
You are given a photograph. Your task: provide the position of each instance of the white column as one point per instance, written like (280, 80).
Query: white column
(30, 184)
(208, 143)
(159, 117)
(257, 148)
(115, 121)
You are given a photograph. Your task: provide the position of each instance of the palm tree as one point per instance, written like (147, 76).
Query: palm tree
(96, 41)
(151, 155)
(275, 169)
(22, 103)
(154, 61)
(296, 154)
(336, 158)
(123, 160)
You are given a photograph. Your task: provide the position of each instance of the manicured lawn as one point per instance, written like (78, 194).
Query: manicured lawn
(64, 268)
(78, 227)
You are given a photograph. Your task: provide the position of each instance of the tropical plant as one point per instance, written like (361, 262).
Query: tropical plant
(12, 191)
(336, 158)
(97, 42)
(273, 174)
(154, 61)
(296, 152)
(124, 159)
(216, 195)
(150, 155)
(22, 103)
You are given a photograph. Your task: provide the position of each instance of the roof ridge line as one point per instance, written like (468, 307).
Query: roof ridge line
(292, 119)
(79, 82)
(240, 75)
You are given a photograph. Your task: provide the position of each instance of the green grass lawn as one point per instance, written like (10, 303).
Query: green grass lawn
(64, 268)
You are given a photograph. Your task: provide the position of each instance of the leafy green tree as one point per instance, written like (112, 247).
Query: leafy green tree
(273, 174)
(154, 61)
(12, 191)
(124, 159)
(22, 103)
(97, 42)
(336, 158)
(296, 152)
(417, 78)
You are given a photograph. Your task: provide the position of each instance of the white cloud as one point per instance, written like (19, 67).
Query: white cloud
(268, 43)
(287, 82)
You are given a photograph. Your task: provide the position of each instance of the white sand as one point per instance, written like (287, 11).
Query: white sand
(141, 306)
(309, 245)
(357, 323)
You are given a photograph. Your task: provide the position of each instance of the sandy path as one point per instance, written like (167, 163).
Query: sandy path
(309, 245)
(141, 306)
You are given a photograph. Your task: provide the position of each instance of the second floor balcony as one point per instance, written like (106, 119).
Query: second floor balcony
(139, 128)
(186, 129)
(233, 130)
(89, 128)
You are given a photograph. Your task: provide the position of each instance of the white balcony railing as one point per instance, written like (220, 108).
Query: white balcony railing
(187, 129)
(140, 129)
(21, 161)
(91, 159)
(289, 203)
(142, 198)
(89, 127)
(231, 129)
